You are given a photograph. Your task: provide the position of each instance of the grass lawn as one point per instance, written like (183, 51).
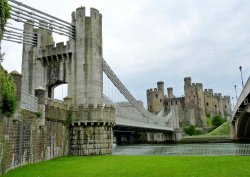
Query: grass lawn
(136, 166)
(224, 129)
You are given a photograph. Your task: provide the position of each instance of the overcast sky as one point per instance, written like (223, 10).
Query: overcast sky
(146, 41)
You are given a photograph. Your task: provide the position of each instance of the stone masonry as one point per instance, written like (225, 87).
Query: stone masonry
(79, 64)
(191, 108)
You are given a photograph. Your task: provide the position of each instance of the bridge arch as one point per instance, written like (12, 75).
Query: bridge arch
(243, 128)
(58, 91)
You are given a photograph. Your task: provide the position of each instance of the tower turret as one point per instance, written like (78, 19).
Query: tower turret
(155, 98)
(170, 92)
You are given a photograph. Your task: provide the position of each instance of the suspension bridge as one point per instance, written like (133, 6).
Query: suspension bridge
(80, 64)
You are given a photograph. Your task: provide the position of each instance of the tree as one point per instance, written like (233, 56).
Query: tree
(217, 121)
(4, 15)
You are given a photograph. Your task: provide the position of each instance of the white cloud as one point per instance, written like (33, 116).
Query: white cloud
(146, 41)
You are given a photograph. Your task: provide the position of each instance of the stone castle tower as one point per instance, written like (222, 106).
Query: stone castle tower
(194, 102)
(78, 63)
(155, 98)
(193, 107)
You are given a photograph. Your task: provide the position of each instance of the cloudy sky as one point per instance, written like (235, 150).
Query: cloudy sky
(146, 41)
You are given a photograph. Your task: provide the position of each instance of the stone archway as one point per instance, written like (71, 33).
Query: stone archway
(52, 85)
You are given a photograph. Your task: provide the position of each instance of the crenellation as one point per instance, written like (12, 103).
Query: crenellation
(194, 106)
(94, 14)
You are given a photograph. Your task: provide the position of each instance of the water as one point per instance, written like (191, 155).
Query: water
(214, 149)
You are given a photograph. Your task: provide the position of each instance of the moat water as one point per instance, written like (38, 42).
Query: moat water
(211, 149)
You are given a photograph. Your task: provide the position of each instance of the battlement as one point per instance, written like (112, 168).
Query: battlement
(55, 50)
(198, 86)
(208, 91)
(56, 104)
(88, 112)
(227, 98)
(80, 13)
(217, 94)
(152, 90)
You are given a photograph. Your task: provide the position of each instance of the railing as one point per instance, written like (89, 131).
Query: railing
(29, 102)
(127, 114)
(186, 150)
(56, 103)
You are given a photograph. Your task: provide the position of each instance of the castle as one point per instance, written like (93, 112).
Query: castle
(193, 107)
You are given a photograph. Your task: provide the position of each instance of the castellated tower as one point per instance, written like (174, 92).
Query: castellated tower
(170, 92)
(209, 102)
(155, 98)
(78, 63)
(194, 102)
(194, 107)
(227, 106)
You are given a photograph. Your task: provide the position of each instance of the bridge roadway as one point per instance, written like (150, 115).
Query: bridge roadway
(129, 117)
(240, 122)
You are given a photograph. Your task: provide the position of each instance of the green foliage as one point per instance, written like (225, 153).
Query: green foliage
(39, 114)
(69, 119)
(224, 129)
(209, 121)
(4, 14)
(190, 130)
(131, 166)
(217, 121)
(5, 148)
(8, 105)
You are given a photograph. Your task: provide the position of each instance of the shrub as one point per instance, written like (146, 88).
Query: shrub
(39, 114)
(4, 14)
(217, 121)
(190, 130)
(8, 105)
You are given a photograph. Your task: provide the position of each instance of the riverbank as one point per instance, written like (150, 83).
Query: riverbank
(206, 139)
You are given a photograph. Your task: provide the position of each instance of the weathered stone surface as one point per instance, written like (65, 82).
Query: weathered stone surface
(193, 106)
(29, 143)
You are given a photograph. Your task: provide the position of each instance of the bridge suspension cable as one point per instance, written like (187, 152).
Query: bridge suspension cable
(116, 81)
(20, 36)
(29, 15)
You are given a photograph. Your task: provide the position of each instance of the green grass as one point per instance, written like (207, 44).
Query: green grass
(136, 166)
(224, 129)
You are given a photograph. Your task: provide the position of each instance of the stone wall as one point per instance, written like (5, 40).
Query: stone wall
(23, 141)
(194, 106)
(91, 139)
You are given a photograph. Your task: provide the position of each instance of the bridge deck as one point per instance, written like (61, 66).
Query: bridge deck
(242, 100)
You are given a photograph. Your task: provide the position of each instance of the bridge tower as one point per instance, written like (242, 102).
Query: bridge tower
(78, 63)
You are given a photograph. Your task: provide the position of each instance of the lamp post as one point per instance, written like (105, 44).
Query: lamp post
(233, 101)
(241, 76)
(236, 93)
